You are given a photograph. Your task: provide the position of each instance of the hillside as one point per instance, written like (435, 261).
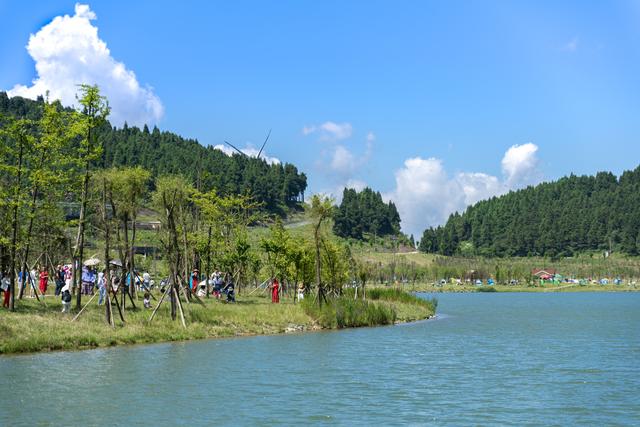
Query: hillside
(278, 186)
(572, 215)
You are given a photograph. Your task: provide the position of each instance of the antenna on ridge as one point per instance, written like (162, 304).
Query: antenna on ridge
(265, 143)
(234, 147)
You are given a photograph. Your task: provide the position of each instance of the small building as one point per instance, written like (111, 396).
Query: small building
(544, 274)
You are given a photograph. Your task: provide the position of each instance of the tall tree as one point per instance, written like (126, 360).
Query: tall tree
(94, 109)
(320, 209)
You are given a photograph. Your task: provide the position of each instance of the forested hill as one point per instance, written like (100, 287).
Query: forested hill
(365, 213)
(573, 214)
(277, 186)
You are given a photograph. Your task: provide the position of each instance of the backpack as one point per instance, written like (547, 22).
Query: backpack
(66, 296)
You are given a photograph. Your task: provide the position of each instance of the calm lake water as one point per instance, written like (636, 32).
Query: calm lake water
(506, 359)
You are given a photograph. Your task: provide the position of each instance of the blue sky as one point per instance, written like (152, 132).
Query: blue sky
(420, 100)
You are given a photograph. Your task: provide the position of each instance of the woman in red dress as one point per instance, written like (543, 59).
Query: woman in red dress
(275, 291)
(44, 280)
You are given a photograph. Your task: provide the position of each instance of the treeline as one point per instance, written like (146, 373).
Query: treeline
(276, 187)
(365, 213)
(562, 218)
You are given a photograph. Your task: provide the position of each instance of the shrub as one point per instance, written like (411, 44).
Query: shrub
(345, 312)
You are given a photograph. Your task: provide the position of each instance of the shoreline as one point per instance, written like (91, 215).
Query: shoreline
(36, 328)
(521, 289)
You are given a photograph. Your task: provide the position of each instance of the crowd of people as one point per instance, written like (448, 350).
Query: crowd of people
(219, 284)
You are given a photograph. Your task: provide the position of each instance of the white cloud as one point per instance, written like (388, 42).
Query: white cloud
(343, 164)
(520, 165)
(478, 186)
(336, 192)
(68, 52)
(342, 161)
(249, 151)
(426, 195)
(330, 131)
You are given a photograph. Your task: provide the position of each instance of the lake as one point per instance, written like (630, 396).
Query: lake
(488, 358)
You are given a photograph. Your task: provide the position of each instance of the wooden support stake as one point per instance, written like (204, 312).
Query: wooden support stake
(179, 303)
(85, 306)
(159, 303)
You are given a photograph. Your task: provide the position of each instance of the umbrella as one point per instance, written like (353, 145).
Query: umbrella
(91, 262)
(116, 262)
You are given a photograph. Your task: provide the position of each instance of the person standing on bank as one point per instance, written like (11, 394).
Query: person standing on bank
(5, 286)
(59, 279)
(66, 299)
(44, 280)
(275, 291)
(102, 287)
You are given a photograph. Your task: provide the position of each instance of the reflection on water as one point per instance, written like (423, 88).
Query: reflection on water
(561, 359)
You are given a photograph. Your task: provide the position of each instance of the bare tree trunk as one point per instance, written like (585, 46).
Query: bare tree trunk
(28, 242)
(127, 253)
(14, 236)
(107, 259)
(186, 257)
(132, 255)
(79, 251)
(208, 273)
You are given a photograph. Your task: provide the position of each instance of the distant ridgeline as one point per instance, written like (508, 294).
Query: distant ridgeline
(365, 212)
(277, 186)
(573, 214)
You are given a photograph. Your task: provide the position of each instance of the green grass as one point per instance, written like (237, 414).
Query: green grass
(348, 312)
(382, 307)
(42, 327)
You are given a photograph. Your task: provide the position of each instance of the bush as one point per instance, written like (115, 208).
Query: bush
(345, 312)
(395, 294)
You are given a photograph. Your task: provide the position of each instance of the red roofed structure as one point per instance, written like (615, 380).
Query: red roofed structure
(544, 274)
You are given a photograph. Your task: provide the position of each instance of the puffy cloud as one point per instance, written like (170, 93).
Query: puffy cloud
(68, 52)
(520, 165)
(426, 195)
(478, 186)
(249, 151)
(342, 161)
(336, 192)
(330, 131)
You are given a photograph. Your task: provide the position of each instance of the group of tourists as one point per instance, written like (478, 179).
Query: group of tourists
(276, 290)
(219, 283)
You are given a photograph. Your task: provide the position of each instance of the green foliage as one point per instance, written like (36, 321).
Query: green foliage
(555, 219)
(346, 312)
(395, 294)
(365, 213)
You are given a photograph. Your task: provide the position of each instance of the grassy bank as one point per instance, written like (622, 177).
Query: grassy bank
(382, 307)
(41, 327)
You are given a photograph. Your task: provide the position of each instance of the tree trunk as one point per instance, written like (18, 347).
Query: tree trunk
(127, 261)
(186, 257)
(320, 293)
(132, 261)
(208, 273)
(79, 251)
(107, 259)
(14, 236)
